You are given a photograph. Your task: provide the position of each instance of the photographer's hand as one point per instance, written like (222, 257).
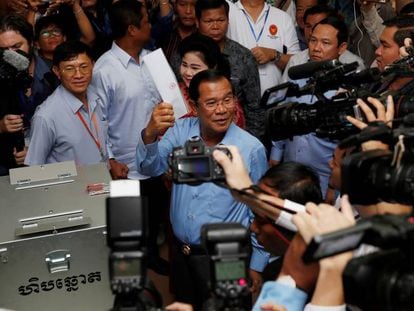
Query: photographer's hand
(408, 43)
(236, 173)
(382, 114)
(20, 156)
(11, 123)
(162, 118)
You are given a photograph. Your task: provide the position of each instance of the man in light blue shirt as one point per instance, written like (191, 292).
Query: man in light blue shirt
(126, 88)
(327, 42)
(194, 206)
(69, 125)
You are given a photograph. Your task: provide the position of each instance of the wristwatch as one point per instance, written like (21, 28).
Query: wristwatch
(278, 55)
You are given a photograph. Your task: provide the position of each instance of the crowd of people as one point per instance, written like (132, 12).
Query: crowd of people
(90, 99)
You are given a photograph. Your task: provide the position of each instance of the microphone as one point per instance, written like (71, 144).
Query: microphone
(308, 69)
(368, 75)
(15, 59)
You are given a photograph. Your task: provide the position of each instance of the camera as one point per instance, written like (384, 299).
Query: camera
(381, 175)
(327, 117)
(382, 280)
(228, 245)
(127, 234)
(194, 163)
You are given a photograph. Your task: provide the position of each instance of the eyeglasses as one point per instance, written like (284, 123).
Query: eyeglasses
(228, 102)
(55, 32)
(83, 69)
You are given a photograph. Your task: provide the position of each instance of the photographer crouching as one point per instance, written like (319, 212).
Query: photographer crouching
(16, 37)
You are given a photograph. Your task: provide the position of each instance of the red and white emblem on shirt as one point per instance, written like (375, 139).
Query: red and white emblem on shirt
(273, 29)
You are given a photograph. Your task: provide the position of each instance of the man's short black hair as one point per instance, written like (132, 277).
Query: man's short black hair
(46, 21)
(405, 25)
(339, 25)
(70, 49)
(18, 24)
(202, 5)
(124, 13)
(320, 9)
(294, 181)
(209, 75)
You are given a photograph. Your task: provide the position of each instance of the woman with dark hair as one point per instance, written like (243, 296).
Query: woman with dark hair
(198, 53)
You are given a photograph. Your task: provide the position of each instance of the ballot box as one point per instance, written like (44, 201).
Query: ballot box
(53, 253)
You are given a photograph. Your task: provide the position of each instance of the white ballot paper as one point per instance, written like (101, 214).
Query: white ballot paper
(165, 81)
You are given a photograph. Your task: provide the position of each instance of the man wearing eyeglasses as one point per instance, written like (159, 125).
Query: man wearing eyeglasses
(194, 206)
(69, 125)
(49, 34)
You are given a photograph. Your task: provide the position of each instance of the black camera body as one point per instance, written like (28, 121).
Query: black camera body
(194, 163)
(381, 175)
(126, 237)
(382, 280)
(327, 116)
(228, 245)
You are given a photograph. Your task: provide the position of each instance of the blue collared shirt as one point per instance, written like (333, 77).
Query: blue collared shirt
(194, 206)
(291, 298)
(128, 98)
(57, 133)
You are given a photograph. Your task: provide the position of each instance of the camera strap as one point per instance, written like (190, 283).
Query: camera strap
(96, 139)
(399, 150)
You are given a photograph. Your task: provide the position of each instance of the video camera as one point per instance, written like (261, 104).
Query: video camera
(326, 117)
(382, 280)
(194, 163)
(381, 175)
(228, 245)
(127, 234)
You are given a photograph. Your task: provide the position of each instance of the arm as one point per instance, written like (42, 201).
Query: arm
(372, 21)
(250, 86)
(42, 139)
(85, 26)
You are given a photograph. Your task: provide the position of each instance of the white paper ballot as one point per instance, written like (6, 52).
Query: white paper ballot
(165, 81)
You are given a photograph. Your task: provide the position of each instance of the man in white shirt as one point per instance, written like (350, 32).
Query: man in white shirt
(268, 32)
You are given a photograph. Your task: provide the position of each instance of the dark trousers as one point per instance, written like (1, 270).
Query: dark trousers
(158, 201)
(190, 276)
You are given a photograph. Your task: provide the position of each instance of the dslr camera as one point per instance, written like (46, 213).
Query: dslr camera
(380, 281)
(381, 175)
(228, 245)
(194, 163)
(127, 234)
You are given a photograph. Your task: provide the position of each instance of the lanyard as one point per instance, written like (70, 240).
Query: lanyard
(95, 139)
(251, 26)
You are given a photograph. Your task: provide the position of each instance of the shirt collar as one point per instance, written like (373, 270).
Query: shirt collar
(227, 139)
(74, 103)
(124, 57)
(241, 7)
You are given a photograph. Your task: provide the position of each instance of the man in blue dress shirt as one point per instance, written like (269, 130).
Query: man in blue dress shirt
(69, 125)
(194, 206)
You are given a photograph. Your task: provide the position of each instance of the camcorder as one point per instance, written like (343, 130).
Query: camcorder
(382, 280)
(381, 175)
(193, 163)
(127, 234)
(228, 246)
(327, 116)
